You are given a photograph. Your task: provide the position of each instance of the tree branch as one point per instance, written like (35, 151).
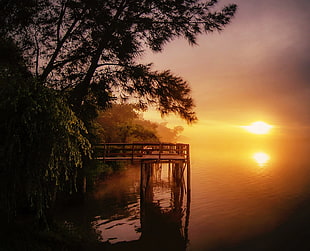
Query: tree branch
(62, 13)
(50, 66)
(110, 64)
(81, 89)
(37, 51)
(66, 61)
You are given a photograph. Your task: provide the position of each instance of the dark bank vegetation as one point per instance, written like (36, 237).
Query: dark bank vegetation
(62, 64)
(43, 142)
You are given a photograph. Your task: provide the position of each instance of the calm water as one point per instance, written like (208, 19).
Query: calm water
(235, 195)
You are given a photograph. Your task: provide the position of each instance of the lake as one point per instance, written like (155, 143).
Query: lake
(239, 194)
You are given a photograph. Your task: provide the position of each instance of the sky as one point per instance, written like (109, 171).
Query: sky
(257, 68)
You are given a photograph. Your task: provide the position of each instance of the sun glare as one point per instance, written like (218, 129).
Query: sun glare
(261, 158)
(258, 127)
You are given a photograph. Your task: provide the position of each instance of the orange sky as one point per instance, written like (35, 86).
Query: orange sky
(256, 69)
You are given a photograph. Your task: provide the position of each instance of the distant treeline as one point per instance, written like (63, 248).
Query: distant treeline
(124, 123)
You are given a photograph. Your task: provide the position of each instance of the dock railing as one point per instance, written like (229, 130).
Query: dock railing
(141, 151)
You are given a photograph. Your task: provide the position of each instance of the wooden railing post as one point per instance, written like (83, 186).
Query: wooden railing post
(151, 151)
(104, 152)
(188, 171)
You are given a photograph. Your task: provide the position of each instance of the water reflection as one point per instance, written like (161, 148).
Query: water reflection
(236, 198)
(117, 217)
(261, 158)
(163, 204)
(233, 199)
(164, 222)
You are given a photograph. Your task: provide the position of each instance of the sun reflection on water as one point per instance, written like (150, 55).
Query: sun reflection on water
(261, 158)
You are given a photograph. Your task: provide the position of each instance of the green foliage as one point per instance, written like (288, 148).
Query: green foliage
(42, 143)
(119, 124)
(123, 123)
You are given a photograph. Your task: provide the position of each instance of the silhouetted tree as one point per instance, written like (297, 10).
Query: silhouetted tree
(81, 55)
(42, 141)
(89, 48)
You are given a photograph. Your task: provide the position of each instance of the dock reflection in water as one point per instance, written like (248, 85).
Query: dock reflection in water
(236, 197)
(163, 208)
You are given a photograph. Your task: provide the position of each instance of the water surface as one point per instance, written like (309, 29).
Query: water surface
(235, 196)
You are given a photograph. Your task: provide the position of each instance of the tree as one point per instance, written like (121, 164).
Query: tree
(89, 49)
(121, 123)
(124, 123)
(42, 144)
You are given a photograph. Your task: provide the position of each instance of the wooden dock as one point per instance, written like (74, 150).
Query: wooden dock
(142, 151)
(152, 158)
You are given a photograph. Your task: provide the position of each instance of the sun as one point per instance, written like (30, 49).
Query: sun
(258, 127)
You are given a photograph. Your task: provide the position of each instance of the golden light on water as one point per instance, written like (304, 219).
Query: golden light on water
(261, 158)
(258, 127)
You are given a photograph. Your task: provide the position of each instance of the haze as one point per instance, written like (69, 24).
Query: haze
(255, 70)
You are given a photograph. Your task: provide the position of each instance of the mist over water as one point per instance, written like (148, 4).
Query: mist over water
(236, 196)
(240, 189)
